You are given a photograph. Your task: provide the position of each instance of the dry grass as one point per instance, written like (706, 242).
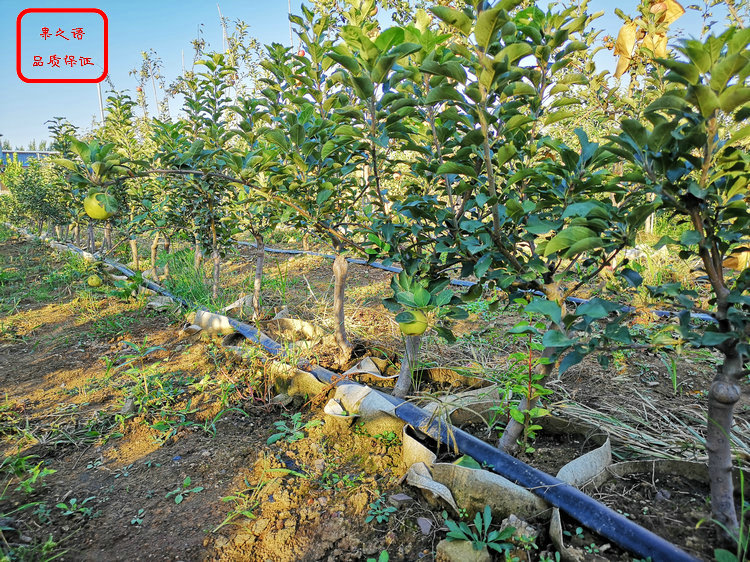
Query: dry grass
(651, 431)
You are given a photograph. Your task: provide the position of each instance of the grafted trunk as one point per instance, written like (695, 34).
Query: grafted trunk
(92, 241)
(340, 269)
(217, 270)
(167, 250)
(134, 253)
(107, 244)
(259, 259)
(723, 395)
(217, 261)
(155, 250)
(134, 258)
(197, 253)
(408, 364)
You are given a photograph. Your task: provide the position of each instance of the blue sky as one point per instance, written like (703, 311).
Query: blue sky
(167, 27)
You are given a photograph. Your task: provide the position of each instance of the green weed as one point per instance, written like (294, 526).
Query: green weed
(182, 491)
(26, 473)
(379, 511)
(245, 503)
(480, 535)
(41, 552)
(74, 507)
(138, 517)
(294, 431)
(189, 283)
(112, 327)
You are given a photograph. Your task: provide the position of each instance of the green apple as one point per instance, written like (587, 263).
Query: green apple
(417, 326)
(100, 206)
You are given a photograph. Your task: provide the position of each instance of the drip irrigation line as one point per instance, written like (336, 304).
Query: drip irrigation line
(130, 274)
(461, 283)
(580, 506)
(569, 499)
(626, 309)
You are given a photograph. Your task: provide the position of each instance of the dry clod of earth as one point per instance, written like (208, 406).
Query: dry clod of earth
(461, 551)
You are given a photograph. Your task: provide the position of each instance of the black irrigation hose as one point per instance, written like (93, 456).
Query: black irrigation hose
(589, 512)
(462, 283)
(583, 508)
(376, 265)
(130, 273)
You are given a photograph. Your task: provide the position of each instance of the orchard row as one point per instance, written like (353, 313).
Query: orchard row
(476, 143)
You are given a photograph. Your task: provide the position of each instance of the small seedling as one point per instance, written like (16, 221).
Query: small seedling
(480, 536)
(292, 432)
(578, 533)
(180, 492)
(388, 438)
(75, 508)
(360, 429)
(138, 517)
(35, 475)
(380, 512)
(331, 479)
(123, 472)
(592, 548)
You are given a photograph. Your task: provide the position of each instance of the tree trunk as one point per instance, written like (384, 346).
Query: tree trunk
(134, 246)
(107, 244)
(306, 242)
(65, 232)
(365, 183)
(77, 234)
(134, 253)
(509, 439)
(722, 397)
(92, 241)
(167, 250)
(408, 364)
(155, 251)
(217, 262)
(198, 254)
(340, 269)
(217, 270)
(40, 227)
(260, 256)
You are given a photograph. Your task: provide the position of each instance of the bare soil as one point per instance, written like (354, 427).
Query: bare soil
(124, 409)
